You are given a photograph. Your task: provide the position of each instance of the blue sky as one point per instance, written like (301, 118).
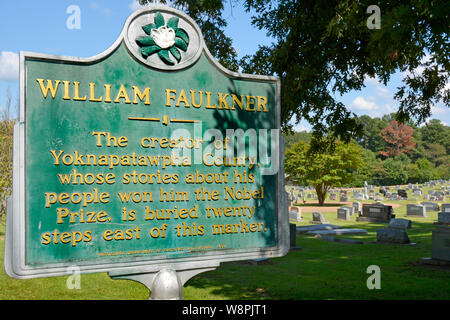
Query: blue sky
(41, 26)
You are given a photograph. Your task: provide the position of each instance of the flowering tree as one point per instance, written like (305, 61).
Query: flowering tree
(399, 139)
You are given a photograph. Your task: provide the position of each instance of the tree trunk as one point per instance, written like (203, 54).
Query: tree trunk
(321, 190)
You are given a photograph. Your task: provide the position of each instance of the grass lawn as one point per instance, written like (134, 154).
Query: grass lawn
(321, 270)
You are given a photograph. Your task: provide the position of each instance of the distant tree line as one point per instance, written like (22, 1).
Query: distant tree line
(7, 122)
(393, 153)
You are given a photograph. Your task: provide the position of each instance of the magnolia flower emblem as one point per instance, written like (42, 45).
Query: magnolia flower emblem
(164, 40)
(164, 37)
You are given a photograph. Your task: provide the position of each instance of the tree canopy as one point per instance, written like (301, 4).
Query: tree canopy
(323, 170)
(324, 48)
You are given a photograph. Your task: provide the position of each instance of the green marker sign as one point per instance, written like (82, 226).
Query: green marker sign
(146, 155)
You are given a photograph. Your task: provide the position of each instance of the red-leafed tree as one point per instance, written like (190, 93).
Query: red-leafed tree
(399, 139)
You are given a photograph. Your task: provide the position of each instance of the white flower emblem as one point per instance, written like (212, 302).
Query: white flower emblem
(164, 37)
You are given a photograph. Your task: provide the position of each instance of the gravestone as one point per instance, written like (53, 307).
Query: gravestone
(417, 192)
(402, 193)
(343, 213)
(293, 237)
(395, 232)
(444, 218)
(445, 207)
(295, 214)
(350, 209)
(430, 206)
(333, 196)
(357, 195)
(318, 218)
(337, 232)
(400, 223)
(377, 212)
(416, 210)
(343, 197)
(357, 207)
(315, 227)
(440, 240)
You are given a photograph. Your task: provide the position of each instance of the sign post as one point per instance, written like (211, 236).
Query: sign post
(149, 161)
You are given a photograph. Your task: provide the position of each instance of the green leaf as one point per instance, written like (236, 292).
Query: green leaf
(147, 51)
(173, 23)
(145, 41)
(180, 33)
(164, 55)
(176, 53)
(148, 28)
(159, 20)
(181, 44)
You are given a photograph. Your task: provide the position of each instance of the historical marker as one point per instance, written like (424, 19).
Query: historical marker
(147, 156)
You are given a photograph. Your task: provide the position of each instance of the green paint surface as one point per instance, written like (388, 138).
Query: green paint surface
(67, 125)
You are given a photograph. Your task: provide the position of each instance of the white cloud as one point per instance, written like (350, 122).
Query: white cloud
(94, 5)
(368, 80)
(439, 111)
(9, 66)
(364, 104)
(383, 91)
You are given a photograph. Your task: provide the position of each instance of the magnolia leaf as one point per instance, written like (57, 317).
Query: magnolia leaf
(181, 44)
(159, 20)
(176, 53)
(145, 41)
(147, 51)
(164, 55)
(180, 33)
(173, 23)
(148, 28)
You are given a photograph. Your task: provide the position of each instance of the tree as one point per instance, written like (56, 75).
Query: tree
(324, 48)
(436, 132)
(6, 151)
(396, 171)
(420, 172)
(370, 138)
(323, 170)
(292, 137)
(399, 139)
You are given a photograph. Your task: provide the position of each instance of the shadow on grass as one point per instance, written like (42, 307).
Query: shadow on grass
(333, 270)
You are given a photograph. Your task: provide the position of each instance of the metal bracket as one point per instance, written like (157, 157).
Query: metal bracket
(167, 283)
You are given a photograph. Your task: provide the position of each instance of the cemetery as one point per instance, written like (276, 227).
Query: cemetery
(415, 244)
(97, 202)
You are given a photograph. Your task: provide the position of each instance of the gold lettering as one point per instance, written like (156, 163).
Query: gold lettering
(236, 101)
(208, 101)
(169, 96)
(262, 103)
(250, 103)
(141, 96)
(77, 92)
(183, 98)
(122, 95)
(223, 101)
(107, 93)
(66, 90)
(49, 86)
(92, 93)
(193, 99)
